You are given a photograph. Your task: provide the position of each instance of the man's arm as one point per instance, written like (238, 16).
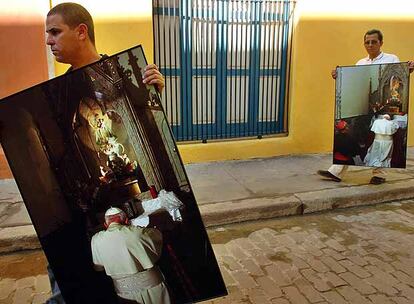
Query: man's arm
(333, 74)
(410, 66)
(153, 76)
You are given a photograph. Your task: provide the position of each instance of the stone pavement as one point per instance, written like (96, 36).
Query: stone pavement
(288, 185)
(235, 191)
(23, 278)
(359, 256)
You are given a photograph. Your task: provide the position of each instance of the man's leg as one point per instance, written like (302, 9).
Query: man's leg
(56, 297)
(334, 172)
(378, 176)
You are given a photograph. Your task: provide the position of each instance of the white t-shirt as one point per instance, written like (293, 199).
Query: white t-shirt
(381, 58)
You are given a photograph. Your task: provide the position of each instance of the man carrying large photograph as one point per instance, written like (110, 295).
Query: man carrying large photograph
(373, 41)
(107, 143)
(71, 37)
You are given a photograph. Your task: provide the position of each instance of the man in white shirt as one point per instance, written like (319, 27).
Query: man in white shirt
(70, 35)
(373, 41)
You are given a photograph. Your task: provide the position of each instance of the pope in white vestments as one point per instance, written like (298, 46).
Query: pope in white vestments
(128, 254)
(380, 152)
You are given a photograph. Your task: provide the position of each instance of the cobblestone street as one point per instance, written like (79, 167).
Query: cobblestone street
(24, 278)
(358, 255)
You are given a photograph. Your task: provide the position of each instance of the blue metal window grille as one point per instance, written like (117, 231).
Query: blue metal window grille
(226, 66)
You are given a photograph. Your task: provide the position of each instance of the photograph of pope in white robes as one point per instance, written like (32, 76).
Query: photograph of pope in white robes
(129, 255)
(372, 101)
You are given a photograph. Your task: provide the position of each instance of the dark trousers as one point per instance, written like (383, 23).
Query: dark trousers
(56, 297)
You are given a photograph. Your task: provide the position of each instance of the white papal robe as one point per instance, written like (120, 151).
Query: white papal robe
(380, 152)
(129, 254)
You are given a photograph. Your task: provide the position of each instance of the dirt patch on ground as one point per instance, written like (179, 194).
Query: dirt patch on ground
(23, 264)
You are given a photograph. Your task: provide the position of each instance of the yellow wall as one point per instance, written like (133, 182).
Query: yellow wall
(21, 29)
(119, 25)
(22, 45)
(327, 34)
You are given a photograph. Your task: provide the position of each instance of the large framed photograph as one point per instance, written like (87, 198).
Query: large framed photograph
(371, 115)
(100, 174)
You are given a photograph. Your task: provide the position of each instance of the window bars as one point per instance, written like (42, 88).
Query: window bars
(226, 66)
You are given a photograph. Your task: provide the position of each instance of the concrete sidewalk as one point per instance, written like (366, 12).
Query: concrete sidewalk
(234, 191)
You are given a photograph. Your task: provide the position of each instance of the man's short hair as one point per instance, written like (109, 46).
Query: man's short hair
(372, 32)
(74, 14)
